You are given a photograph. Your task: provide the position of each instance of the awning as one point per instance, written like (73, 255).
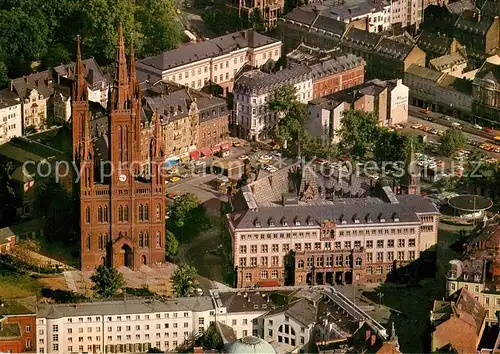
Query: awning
(170, 163)
(269, 283)
(215, 148)
(206, 151)
(185, 158)
(195, 155)
(225, 145)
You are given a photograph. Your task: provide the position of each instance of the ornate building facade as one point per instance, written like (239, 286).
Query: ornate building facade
(122, 214)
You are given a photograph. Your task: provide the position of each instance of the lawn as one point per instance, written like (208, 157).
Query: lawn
(17, 286)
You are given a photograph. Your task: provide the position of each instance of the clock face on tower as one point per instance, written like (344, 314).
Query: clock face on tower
(122, 178)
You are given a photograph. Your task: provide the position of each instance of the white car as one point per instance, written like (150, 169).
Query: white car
(477, 126)
(243, 157)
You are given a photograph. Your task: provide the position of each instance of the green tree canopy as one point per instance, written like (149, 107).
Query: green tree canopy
(9, 200)
(184, 280)
(452, 140)
(171, 245)
(187, 217)
(358, 130)
(256, 20)
(107, 281)
(283, 100)
(390, 146)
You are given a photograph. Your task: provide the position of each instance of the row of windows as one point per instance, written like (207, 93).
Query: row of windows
(348, 233)
(263, 261)
(308, 246)
(123, 213)
(389, 256)
(103, 240)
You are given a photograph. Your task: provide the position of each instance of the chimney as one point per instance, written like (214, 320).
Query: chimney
(179, 107)
(244, 34)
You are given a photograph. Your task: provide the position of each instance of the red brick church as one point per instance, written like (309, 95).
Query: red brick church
(122, 211)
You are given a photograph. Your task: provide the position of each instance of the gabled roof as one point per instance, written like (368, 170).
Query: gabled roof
(363, 39)
(457, 7)
(42, 82)
(491, 8)
(425, 73)
(393, 49)
(473, 23)
(92, 71)
(301, 16)
(435, 43)
(214, 47)
(489, 72)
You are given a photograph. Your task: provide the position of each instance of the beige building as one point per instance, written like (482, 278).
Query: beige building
(439, 91)
(337, 236)
(34, 91)
(216, 61)
(11, 123)
(478, 271)
(454, 64)
(387, 99)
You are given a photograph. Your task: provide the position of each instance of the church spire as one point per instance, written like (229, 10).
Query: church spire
(80, 86)
(121, 82)
(133, 73)
(158, 136)
(87, 151)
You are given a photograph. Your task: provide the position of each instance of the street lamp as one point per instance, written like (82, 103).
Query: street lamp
(380, 296)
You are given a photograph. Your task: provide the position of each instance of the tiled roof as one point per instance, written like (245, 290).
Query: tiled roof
(330, 25)
(468, 309)
(429, 41)
(471, 22)
(41, 81)
(15, 307)
(491, 8)
(10, 331)
(105, 308)
(207, 49)
(257, 79)
(457, 7)
(425, 73)
(362, 39)
(448, 61)
(301, 16)
(456, 83)
(336, 65)
(92, 71)
(8, 99)
(489, 72)
(393, 49)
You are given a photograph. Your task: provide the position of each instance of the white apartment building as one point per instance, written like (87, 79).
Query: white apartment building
(407, 12)
(121, 326)
(254, 89)
(216, 61)
(10, 116)
(324, 119)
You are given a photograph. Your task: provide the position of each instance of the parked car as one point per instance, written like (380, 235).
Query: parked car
(174, 179)
(477, 126)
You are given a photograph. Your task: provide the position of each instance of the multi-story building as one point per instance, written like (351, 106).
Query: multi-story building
(192, 121)
(477, 271)
(384, 57)
(454, 64)
(406, 13)
(436, 45)
(457, 323)
(34, 91)
(11, 123)
(335, 234)
(331, 70)
(122, 217)
(122, 326)
(216, 61)
(18, 325)
(387, 99)
(292, 319)
(439, 91)
(486, 91)
(254, 89)
(269, 9)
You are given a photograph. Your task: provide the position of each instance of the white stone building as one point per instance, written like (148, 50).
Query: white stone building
(217, 60)
(11, 123)
(254, 89)
(324, 119)
(121, 326)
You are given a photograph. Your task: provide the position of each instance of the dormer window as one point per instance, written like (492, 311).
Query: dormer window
(297, 222)
(369, 219)
(381, 218)
(284, 222)
(309, 221)
(395, 217)
(466, 276)
(342, 219)
(271, 222)
(355, 218)
(477, 277)
(256, 222)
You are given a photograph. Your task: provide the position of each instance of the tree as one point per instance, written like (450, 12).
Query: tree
(160, 28)
(187, 217)
(211, 339)
(107, 281)
(283, 100)
(184, 280)
(390, 146)
(9, 200)
(171, 245)
(222, 20)
(475, 157)
(452, 140)
(358, 129)
(256, 20)
(58, 207)
(4, 76)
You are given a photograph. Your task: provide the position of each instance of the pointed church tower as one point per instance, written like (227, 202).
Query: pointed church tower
(121, 92)
(79, 104)
(411, 180)
(157, 152)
